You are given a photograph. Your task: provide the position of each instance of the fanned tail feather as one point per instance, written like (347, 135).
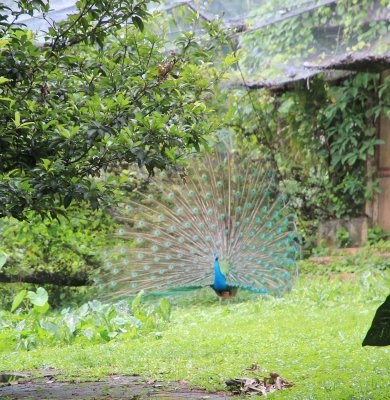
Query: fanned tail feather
(227, 205)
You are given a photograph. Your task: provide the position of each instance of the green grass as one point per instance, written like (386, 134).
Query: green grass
(311, 337)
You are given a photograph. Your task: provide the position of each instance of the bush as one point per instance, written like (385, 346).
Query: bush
(343, 239)
(30, 323)
(376, 234)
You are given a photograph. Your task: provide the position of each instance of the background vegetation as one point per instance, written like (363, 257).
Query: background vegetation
(320, 140)
(86, 110)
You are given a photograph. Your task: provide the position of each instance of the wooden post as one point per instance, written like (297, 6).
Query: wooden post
(380, 207)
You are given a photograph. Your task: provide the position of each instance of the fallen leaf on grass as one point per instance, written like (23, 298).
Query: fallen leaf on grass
(262, 386)
(114, 376)
(253, 367)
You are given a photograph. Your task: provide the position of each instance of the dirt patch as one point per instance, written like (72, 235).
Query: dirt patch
(113, 387)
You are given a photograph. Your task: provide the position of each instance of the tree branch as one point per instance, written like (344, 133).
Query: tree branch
(45, 277)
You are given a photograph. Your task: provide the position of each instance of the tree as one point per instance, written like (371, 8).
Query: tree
(47, 252)
(100, 92)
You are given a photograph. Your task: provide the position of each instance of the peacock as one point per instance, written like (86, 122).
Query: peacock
(225, 225)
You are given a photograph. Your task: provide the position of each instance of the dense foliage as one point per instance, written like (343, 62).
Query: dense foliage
(30, 323)
(102, 92)
(65, 252)
(335, 129)
(319, 139)
(321, 136)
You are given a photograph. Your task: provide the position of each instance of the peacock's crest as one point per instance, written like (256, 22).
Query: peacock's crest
(227, 206)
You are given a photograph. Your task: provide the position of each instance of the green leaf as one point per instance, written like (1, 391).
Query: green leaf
(12, 102)
(230, 60)
(46, 163)
(51, 327)
(165, 308)
(136, 302)
(104, 334)
(67, 200)
(3, 259)
(286, 106)
(170, 152)
(17, 118)
(71, 322)
(4, 43)
(42, 309)
(18, 299)
(3, 80)
(39, 298)
(137, 21)
(88, 333)
(112, 335)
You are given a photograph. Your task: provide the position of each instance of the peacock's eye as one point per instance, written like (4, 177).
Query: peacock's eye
(226, 206)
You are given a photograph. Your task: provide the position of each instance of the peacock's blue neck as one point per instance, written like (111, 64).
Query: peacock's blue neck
(219, 278)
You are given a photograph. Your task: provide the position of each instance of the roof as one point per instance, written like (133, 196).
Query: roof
(279, 41)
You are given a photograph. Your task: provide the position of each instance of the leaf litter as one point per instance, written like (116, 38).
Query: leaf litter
(259, 386)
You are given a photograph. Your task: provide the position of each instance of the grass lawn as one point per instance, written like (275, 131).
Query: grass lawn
(311, 337)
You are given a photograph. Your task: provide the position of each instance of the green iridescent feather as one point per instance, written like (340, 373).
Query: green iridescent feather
(226, 205)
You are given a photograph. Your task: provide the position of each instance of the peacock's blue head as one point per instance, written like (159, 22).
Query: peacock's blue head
(215, 256)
